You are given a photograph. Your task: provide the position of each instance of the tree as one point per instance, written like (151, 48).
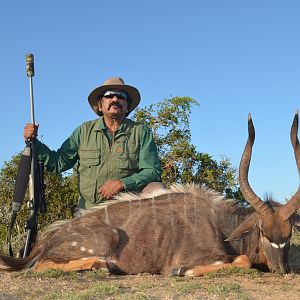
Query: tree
(61, 196)
(181, 162)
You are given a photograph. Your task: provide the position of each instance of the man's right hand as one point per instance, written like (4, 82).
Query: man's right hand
(30, 131)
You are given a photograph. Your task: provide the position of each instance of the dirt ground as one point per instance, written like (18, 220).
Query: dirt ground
(234, 284)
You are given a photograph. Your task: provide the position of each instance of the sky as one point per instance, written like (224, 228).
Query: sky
(234, 57)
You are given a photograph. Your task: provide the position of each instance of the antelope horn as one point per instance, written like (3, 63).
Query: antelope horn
(294, 203)
(295, 141)
(261, 207)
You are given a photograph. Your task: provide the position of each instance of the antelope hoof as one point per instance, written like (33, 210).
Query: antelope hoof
(178, 271)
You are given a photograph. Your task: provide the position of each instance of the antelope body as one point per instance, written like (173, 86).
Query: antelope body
(186, 230)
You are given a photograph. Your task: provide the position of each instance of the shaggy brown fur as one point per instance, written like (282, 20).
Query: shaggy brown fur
(177, 231)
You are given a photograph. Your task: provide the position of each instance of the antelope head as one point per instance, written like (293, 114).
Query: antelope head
(275, 225)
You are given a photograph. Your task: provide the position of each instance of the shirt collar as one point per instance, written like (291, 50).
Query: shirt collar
(101, 126)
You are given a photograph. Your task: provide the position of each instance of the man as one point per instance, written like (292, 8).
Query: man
(114, 154)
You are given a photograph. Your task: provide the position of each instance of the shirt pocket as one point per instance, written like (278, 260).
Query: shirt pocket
(122, 161)
(128, 161)
(132, 149)
(89, 157)
(133, 161)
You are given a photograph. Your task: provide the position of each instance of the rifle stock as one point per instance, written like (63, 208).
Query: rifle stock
(31, 222)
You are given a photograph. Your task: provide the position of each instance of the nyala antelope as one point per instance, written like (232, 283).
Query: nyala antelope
(185, 230)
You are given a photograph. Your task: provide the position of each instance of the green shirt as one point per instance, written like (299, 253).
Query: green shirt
(130, 155)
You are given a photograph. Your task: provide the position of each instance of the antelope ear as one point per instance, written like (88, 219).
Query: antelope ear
(243, 229)
(296, 221)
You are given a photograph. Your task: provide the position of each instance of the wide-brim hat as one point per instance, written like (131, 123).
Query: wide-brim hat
(114, 83)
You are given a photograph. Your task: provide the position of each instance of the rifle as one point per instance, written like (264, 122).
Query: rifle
(30, 172)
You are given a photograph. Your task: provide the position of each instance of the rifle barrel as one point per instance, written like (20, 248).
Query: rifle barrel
(32, 183)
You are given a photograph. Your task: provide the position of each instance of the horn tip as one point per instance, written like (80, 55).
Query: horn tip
(249, 117)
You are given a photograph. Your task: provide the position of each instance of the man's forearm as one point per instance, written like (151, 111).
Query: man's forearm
(55, 161)
(139, 180)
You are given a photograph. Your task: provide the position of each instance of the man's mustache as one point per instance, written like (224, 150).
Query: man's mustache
(114, 103)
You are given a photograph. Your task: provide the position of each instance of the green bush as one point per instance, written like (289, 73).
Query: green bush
(61, 197)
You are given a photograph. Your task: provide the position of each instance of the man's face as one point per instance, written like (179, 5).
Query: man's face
(113, 104)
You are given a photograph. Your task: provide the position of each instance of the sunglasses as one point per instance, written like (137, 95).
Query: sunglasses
(112, 94)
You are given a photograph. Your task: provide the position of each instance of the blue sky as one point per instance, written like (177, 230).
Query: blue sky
(234, 57)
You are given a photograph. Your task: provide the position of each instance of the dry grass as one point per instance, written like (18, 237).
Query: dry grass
(232, 283)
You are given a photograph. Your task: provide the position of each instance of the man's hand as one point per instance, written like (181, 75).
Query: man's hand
(30, 131)
(111, 188)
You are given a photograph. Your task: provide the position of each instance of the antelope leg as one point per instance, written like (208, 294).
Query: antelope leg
(82, 264)
(241, 261)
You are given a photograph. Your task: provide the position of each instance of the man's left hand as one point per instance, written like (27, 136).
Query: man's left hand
(111, 188)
